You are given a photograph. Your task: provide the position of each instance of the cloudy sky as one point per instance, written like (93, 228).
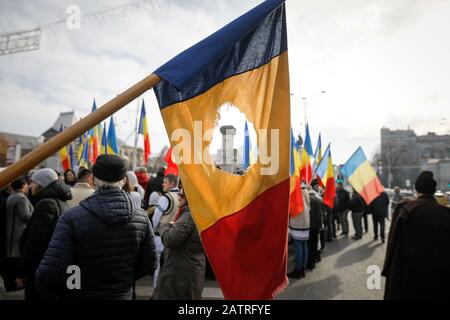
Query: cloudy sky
(380, 63)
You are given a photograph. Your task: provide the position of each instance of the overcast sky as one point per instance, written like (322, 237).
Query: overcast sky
(380, 63)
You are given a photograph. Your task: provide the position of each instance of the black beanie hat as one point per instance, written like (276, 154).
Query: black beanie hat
(109, 167)
(425, 183)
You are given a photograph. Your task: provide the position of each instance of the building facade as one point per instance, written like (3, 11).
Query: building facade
(404, 154)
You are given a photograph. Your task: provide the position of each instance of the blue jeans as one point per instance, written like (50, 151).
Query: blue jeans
(301, 254)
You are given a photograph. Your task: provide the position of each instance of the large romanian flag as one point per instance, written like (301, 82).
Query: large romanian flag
(242, 219)
(325, 173)
(362, 176)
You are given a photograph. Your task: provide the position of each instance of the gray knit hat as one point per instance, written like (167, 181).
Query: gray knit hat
(44, 177)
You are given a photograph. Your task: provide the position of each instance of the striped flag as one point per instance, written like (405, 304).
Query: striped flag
(71, 157)
(317, 153)
(242, 219)
(84, 161)
(143, 129)
(104, 141)
(362, 176)
(306, 170)
(296, 199)
(63, 156)
(93, 139)
(325, 173)
(112, 147)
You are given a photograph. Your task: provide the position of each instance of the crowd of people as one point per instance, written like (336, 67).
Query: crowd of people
(115, 225)
(416, 265)
(318, 224)
(118, 226)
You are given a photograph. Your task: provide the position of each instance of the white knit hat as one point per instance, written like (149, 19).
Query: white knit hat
(44, 177)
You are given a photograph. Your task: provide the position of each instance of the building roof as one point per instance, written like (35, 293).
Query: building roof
(26, 142)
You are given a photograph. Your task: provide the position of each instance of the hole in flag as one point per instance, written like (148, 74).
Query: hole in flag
(234, 142)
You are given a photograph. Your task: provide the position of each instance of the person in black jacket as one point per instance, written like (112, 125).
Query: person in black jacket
(342, 199)
(107, 237)
(356, 205)
(51, 195)
(315, 224)
(379, 208)
(417, 260)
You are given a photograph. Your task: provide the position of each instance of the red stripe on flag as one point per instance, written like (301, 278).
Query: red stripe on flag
(146, 148)
(296, 199)
(330, 193)
(371, 190)
(248, 250)
(306, 173)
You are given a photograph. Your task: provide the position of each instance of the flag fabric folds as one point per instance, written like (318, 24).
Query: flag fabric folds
(362, 176)
(242, 219)
(104, 141)
(172, 167)
(81, 141)
(71, 157)
(112, 147)
(306, 170)
(93, 139)
(143, 129)
(296, 198)
(325, 173)
(317, 153)
(84, 161)
(63, 155)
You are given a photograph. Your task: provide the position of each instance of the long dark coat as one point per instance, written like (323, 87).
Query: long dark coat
(183, 273)
(417, 264)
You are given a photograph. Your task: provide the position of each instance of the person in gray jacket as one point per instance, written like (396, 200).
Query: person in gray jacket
(182, 275)
(18, 212)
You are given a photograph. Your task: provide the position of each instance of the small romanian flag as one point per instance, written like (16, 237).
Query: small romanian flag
(362, 176)
(296, 199)
(325, 172)
(307, 154)
(143, 129)
(93, 136)
(63, 155)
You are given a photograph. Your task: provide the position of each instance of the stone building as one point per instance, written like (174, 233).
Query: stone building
(404, 154)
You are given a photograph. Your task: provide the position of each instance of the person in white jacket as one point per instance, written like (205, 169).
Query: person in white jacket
(299, 231)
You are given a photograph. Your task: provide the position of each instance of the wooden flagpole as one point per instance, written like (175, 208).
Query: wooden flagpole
(32, 159)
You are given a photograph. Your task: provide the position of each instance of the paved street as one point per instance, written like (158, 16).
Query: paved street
(342, 273)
